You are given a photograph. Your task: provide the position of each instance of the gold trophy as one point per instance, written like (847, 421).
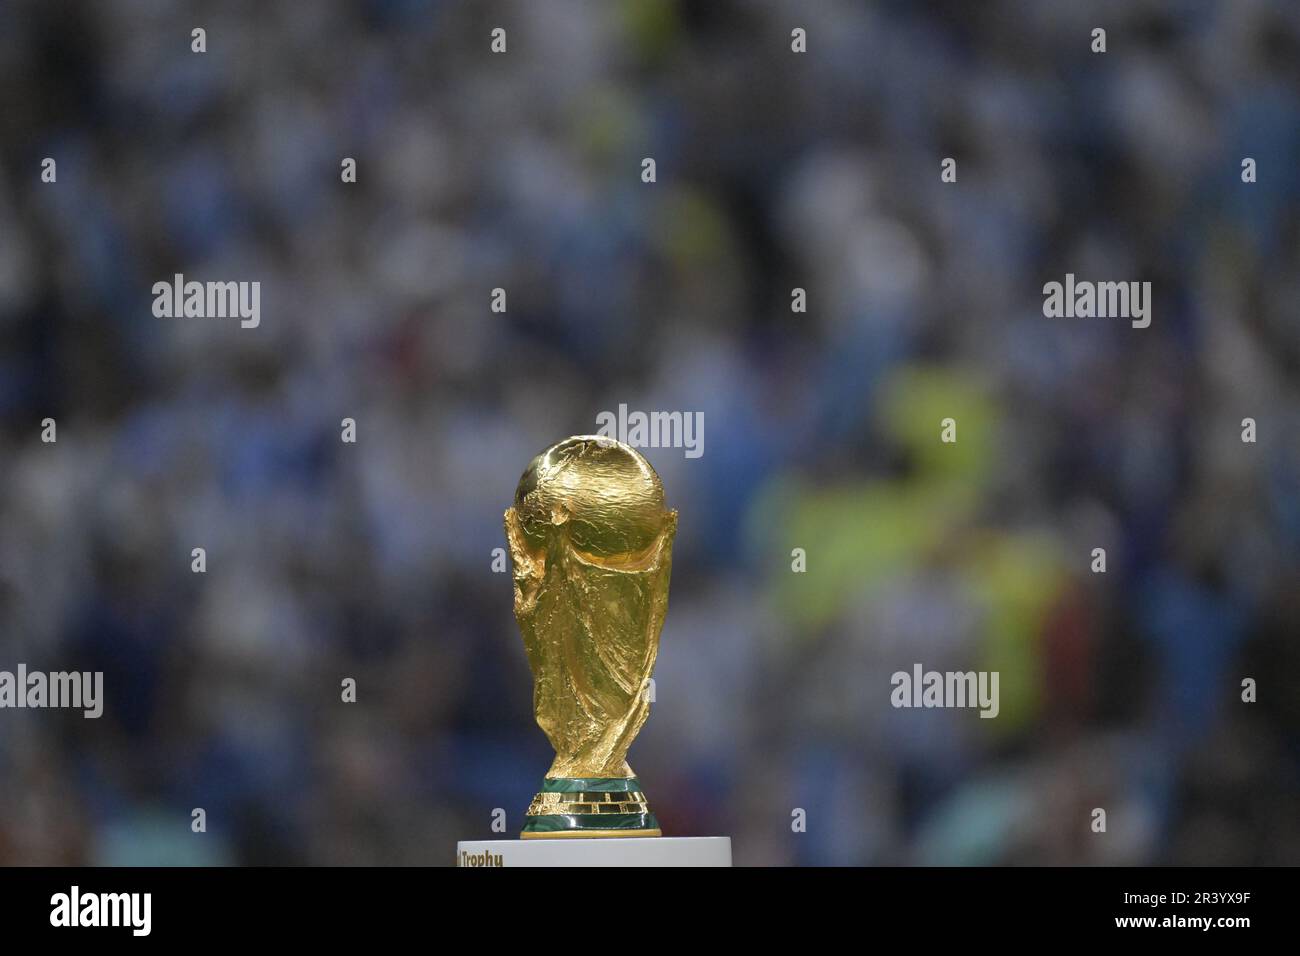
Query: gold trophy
(592, 546)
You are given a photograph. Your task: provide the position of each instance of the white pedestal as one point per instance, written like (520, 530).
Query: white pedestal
(602, 851)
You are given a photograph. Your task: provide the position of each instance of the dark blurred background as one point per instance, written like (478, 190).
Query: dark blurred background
(775, 170)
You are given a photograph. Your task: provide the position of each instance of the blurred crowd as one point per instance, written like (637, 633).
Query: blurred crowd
(521, 170)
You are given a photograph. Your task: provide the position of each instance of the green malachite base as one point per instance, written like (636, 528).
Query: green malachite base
(590, 806)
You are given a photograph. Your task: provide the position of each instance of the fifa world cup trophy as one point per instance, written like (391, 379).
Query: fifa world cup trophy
(592, 544)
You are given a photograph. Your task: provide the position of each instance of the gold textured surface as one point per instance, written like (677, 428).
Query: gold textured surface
(591, 542)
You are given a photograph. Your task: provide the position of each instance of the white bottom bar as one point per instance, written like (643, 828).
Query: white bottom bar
(602, 851)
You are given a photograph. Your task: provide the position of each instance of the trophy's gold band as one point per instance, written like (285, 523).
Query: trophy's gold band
(583, 803)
